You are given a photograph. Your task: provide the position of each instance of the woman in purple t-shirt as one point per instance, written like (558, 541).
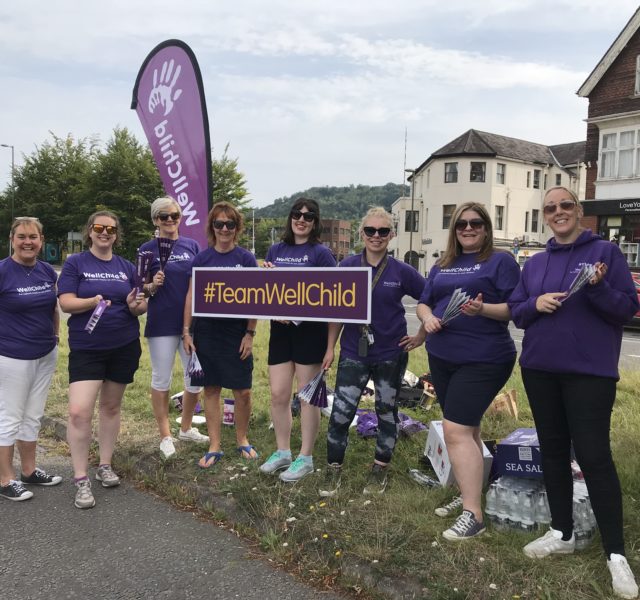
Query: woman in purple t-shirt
(296, 349)
(28, 353)
(166, 289)
(105, 351)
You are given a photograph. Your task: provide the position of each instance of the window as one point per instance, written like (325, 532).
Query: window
(535, 213)
(477, 171)
(411, 220)
(498, 217)
(558, 179)
(536, 179)
(447, 213)
(451, 172)
(545, 181)
(620, 154)
(526, 221)
(335, 231)
(501, 169)
(528, 178)
(637, 89)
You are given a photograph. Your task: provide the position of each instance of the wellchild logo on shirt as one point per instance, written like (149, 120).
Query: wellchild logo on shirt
(292, 260)
(121, 276)
(34, 289)
(456, 270)
(180, 257)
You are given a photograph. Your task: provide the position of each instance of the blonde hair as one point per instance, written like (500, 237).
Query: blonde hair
(25, 221)
(571, 193)
(163, 203)
(454, 249)
(377, 212)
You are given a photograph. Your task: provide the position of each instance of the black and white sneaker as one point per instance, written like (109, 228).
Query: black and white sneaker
(40, 477)
(15, 491)
(465, 527)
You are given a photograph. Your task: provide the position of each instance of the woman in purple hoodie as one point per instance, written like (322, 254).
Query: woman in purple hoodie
(569, 365)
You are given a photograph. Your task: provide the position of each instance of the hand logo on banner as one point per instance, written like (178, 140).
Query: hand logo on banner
(162, 92)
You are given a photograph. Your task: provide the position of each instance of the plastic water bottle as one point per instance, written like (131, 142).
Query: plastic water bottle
(542, 513)
(502, 507)
(526, 511)
(491, 503)
(515, 516)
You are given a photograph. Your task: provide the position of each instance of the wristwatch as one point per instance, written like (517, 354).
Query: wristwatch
(251, 332)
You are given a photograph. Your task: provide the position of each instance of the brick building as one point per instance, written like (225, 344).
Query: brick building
(336, 235)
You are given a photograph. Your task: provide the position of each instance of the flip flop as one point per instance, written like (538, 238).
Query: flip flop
(242, 450)
(214, 457)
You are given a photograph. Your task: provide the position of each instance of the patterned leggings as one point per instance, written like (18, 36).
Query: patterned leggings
(351, 379)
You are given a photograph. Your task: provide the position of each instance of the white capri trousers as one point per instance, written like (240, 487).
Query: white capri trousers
(163, 353)
(24, 386)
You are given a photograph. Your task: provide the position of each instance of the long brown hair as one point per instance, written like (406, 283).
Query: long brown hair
(314, 236)
(454, 249)
(86, 238)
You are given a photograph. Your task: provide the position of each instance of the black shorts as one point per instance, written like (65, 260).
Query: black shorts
(304, 344)
(465, 391)
(117, 364)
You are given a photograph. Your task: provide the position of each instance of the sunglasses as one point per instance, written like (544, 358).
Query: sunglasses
(110, 229)
(175, 216)
(307, 216)
(549, 209)
(383, 232)
(475, 224)
(231, 225)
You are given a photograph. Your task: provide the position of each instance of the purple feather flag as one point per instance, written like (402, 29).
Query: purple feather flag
(143, 262)
(315, 392)
(194, 368)
(165, 246)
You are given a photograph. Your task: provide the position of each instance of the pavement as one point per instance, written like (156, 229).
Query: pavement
(130, 546)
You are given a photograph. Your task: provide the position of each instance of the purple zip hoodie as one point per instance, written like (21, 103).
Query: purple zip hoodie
(585, 334)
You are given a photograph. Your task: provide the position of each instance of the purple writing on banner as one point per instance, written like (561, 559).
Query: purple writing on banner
(169, 99)
(318, 294)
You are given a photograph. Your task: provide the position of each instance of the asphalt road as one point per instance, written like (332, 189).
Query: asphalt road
(130, 546)
(629, 355)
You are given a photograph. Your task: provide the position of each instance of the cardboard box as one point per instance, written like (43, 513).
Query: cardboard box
(436, 452)
(518, 455)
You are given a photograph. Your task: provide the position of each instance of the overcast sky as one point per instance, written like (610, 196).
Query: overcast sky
(310, 92)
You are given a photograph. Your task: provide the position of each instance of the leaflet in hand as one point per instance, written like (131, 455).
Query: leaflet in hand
(587, 271)
(98, 311)
(143, 263)
(194, 368)
(458, 299)
(165, 246)
(315, 392)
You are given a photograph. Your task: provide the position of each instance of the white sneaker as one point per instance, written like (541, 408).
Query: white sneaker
(622, 579)
(550, 543)
(167, 449)
(193, 435)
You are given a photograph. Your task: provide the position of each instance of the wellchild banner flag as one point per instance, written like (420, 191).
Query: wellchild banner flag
(169, 99)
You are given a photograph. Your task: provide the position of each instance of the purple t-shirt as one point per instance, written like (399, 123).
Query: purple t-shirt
(472, 339)
(166, 307)
(300, 255)
(238, 257)
(27, 305)
(86, 275)
(388, 322)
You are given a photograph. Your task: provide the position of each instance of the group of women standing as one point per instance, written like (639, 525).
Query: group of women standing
(569, 356)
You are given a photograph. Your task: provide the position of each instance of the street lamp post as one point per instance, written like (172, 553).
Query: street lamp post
(412, 222)
(253, 231)
(13, 189)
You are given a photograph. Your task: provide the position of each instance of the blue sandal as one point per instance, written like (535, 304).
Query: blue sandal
(215, 457)
(242, 450)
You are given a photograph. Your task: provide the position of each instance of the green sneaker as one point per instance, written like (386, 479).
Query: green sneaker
(377, 482)
(275, 462)
(298, 469)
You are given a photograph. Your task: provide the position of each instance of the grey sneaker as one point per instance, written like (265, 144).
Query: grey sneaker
(377, 481)
(465, 527)
(193, 435)
(276, 462)
(298, 469)
(84, 497)
(331, 483)
(106, 475)
(622, 579)
(550, 543)
(449, 509)
(167, 449)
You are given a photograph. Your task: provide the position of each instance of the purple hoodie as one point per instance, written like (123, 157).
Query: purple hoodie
(584, 335)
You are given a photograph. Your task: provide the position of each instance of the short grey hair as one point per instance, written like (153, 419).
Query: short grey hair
(163, 204)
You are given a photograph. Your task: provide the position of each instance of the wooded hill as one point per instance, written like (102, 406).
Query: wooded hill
(348, 202)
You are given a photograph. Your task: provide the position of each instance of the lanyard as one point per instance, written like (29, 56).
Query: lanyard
(381, 267)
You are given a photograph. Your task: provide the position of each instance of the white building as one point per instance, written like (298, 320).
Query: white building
(507, 175)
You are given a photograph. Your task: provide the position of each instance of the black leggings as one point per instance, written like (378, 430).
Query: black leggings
(577, 408)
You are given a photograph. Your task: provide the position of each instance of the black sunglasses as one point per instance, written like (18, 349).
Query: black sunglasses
(383, 232)
(165, 217)
(549, 209)
(462, 224)
(231, 225)
(110, 229)
(307, 216)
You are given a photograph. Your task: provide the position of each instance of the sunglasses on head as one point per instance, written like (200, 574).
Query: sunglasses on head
(174, 216)
(383, 232)
(462, 224)
(549, 209)
(231, 225)
(110, 229)
(307, 216)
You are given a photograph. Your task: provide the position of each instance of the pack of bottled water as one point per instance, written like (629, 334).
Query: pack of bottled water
(521, 504)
